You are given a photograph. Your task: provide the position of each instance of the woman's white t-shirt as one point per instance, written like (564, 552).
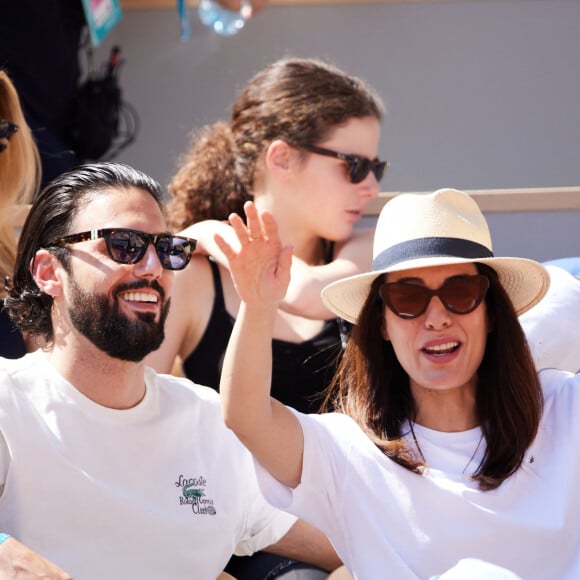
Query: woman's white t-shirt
(387, 522)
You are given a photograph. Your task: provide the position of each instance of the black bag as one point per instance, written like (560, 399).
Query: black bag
(95, 124)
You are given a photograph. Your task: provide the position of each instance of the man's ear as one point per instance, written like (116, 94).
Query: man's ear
(44, 268)
(279, 157)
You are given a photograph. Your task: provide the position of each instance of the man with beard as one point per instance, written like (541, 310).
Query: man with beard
(107, 469)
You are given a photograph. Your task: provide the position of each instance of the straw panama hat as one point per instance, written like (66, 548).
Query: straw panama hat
(444, 227)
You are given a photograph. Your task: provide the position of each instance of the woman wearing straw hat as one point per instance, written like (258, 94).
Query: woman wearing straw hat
(445, 445)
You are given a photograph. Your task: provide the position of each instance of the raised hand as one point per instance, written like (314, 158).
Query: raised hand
(260, 267)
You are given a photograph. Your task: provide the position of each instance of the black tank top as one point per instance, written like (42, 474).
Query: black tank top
(301, 371)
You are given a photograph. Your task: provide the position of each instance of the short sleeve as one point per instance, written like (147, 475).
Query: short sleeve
(327, 444)
(265, 525)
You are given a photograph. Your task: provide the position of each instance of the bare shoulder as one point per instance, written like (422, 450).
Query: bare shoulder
(192, 300)
(192, 296)
(196, 273)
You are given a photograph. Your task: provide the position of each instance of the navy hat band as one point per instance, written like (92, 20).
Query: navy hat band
(430, 248)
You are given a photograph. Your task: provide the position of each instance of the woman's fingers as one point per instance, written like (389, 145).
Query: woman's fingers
(242, 232)
(258, 228)
(253, 221)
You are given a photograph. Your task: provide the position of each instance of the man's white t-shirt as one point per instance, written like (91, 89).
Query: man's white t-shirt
(160, 491)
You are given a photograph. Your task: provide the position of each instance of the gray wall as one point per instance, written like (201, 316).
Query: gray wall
(481, 94)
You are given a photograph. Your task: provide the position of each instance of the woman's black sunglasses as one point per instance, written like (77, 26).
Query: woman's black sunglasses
(7, 129)
(459, 294)
(358, 167)
(129, 246)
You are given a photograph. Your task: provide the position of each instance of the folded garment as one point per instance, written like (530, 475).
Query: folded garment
(552, 326)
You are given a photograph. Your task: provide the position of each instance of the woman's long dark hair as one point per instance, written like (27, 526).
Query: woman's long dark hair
(372, 387)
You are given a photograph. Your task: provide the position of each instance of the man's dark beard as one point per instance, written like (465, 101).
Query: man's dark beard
(112, 332)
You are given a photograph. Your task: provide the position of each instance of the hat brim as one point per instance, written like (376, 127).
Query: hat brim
(525, 281)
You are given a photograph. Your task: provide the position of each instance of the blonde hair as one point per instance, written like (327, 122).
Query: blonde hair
(20, 172)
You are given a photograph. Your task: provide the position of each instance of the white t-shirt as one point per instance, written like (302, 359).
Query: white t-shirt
(552, 326)
(387, 522)
(160, 491)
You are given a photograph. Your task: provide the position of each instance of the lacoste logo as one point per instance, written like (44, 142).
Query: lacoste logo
(193, 493)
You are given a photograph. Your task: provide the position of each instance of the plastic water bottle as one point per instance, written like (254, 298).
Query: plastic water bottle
(221, 20)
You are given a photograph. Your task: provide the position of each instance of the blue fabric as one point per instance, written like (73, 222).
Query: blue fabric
(571, 264)
(4, 537)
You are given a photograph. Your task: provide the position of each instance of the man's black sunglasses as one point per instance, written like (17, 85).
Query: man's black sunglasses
(129, 246)
(358, 167)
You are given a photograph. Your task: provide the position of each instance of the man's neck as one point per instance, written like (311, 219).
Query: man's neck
(107, 381)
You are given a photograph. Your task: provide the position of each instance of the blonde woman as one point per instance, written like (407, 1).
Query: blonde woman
(19, 179)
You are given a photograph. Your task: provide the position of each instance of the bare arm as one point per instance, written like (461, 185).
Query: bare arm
(163, 358)
(191, 300)
(19, 561)
(204, 232)
(303, 295)
(307, 544)
(261, 271)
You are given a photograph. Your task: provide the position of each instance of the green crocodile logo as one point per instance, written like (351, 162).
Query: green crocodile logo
(189, 490)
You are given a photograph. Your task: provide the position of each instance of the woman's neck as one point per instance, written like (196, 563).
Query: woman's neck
(450, 411)
(309, 247)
